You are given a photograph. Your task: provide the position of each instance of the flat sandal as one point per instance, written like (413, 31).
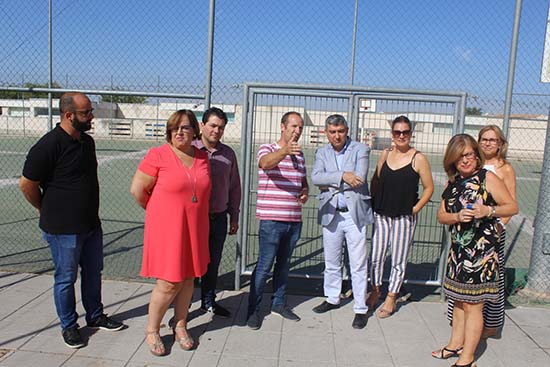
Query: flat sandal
(185, 343)
(450, 353)
(157, 347)
(382, 312)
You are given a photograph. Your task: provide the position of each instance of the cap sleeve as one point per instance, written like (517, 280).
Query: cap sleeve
(151, 162)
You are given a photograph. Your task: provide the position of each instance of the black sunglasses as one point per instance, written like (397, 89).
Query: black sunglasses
(401, 132)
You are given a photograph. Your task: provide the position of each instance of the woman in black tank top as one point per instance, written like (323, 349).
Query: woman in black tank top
(396, 205)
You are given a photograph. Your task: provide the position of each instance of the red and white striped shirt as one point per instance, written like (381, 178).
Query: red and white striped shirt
(280, 187)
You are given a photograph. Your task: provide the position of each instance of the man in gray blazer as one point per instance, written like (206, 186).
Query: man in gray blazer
(340, 172)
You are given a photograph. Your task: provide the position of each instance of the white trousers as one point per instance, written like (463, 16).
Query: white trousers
(343, 228)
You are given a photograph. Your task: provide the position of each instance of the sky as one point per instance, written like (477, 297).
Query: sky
(161, 45)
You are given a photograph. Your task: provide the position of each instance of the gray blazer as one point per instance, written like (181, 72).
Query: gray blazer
(326, 175)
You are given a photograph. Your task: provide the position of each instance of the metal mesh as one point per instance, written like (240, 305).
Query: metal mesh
(434, 123)
(123, 134)
(162, 47)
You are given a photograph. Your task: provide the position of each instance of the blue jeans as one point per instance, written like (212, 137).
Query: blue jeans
(277, 242)
(216, 239)
(68, 252)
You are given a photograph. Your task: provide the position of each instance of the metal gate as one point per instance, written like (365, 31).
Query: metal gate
(436, 117)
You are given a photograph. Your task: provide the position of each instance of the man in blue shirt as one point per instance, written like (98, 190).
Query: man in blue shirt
(340, 171)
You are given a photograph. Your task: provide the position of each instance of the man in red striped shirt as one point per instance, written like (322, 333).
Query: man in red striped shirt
(282, 190)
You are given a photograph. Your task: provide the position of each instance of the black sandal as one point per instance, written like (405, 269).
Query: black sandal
(451, 353)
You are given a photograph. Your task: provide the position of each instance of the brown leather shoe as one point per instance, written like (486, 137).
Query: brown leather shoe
(373, 298)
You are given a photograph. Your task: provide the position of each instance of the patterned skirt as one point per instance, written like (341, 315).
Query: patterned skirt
(472, 273)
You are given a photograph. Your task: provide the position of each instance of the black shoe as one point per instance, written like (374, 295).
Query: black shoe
(72, 338)
(254, 321)
(324, 307)
(104, 322)
(285, 313)
(216, 310)
(359, 321)
(347, 291)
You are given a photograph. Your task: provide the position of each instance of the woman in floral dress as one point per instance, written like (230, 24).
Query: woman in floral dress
(472, 201)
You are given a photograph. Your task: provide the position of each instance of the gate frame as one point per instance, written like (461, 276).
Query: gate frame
(353, 94)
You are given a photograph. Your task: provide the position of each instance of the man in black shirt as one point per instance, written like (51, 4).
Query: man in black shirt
(60, 180)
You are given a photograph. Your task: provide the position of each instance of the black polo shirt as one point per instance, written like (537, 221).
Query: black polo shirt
(67, 171)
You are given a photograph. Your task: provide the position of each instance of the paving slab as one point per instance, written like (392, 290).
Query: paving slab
(30, 333)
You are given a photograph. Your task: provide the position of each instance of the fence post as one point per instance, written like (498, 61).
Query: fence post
(511, 70)
(538, 283)
(210, 54)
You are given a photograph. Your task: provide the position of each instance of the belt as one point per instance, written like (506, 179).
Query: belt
(342, 210)
(215, 215)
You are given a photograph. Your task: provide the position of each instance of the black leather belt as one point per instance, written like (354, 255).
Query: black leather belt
(342, 210)
(215, 215)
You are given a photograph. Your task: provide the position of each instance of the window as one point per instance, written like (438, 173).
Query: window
(43, 111)
(19, 111)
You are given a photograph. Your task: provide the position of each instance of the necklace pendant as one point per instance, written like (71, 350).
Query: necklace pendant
(194, 199)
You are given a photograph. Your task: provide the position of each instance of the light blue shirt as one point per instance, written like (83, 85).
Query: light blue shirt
(339, 156)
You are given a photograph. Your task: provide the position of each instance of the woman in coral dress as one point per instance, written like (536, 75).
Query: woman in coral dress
(172, 184)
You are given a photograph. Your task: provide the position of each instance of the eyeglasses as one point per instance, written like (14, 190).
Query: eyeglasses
(489, 141)
(85, 112)
(469, 155)
(397, 133)
(183, 128)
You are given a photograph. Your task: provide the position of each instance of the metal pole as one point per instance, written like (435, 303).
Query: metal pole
(456, 117)
(210, 55)
(111, 110)
(353, 44)
(539, 266)
(245, 178)
(351, 121)
(50, 65)
(346, 88)
(108, 92)
(462, 120)
(511, 70)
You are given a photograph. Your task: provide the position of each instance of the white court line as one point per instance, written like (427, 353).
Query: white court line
(8, 182)
(100, 161)
(528, 179)
(10, 152)
(131, 155)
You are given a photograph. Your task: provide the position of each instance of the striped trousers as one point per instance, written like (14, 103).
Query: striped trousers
(493, 312)
(396, 232)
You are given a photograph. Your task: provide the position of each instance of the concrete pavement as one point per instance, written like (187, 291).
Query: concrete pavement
(30, 334)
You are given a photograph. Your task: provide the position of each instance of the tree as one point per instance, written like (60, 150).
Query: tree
(122, 99)
(8, 94)
(474, 111)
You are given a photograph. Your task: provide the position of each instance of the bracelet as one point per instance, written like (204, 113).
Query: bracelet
(492, 212)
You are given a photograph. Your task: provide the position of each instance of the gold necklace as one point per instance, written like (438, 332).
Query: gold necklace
(186, 170)
(194, 197)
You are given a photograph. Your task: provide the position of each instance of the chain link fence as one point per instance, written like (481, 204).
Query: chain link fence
(162, 47)
(369, 114)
